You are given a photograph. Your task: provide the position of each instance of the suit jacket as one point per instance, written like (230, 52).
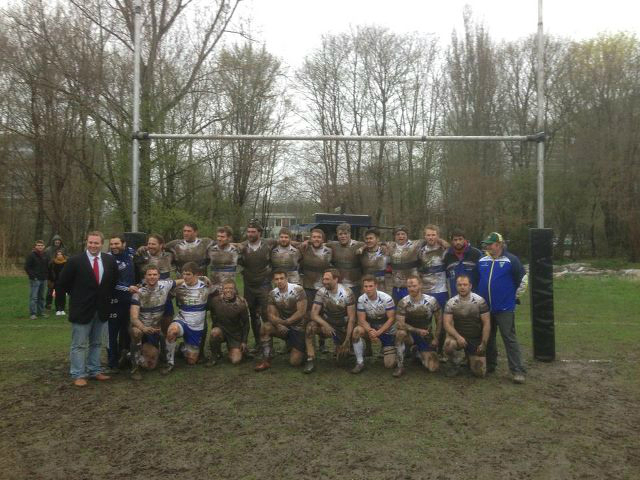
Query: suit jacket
(87, 297)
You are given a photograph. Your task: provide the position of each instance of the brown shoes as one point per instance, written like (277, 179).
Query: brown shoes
(101, 377)
(80, 382)
(263, 365)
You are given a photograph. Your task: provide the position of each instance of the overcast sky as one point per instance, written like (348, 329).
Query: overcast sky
(292, 28)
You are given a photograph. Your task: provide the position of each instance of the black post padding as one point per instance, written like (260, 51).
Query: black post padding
(135, 239)
(541, 288)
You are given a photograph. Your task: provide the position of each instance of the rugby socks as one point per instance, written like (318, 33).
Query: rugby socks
(266, 348)
(358, 349)
(171, 351)
(135, 353)
(400, 354)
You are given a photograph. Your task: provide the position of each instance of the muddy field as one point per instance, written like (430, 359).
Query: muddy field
(571, 420)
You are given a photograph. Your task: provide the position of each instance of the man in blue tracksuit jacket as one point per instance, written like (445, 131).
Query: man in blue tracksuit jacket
(502, 279)
(120, 302)
(461, 257)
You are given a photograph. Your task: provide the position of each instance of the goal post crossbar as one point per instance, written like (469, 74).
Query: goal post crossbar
(537, 137)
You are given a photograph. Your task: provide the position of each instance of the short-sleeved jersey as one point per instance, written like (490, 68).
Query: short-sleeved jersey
(375, 263)
(314, 262)
(184, 252)
(286, 303)
(466, 314)
(192, 303)
(287, 259)
(223, 263)
(432, 269)
(376, 309)
(334, 305)
(256, 260)
(152, 302)
(346, 260)
(163, 261)
(404, 261)
(418, 313)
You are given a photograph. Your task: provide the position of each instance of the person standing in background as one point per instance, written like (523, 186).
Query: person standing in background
(37, 267)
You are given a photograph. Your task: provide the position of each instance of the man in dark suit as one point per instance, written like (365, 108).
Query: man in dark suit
(89, 278)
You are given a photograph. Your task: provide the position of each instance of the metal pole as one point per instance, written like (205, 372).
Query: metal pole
(135, 167)
(352, 138)
(540, 145)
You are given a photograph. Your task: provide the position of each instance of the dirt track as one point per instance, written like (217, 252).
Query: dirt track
(571, 420)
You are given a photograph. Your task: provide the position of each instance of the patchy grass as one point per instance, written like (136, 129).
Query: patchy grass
(573, 419)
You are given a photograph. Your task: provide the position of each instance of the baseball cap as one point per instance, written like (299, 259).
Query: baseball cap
(493, 237)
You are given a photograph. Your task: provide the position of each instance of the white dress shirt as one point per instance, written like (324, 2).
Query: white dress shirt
(100, 266)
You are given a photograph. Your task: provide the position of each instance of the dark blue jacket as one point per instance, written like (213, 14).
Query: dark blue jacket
(126, 274)
(467, 265)
(500, 279)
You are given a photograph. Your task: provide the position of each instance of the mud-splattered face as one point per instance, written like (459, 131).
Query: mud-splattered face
(369, 288)
(414, 287)
(284, 240)
(189, 234)
(463, 285)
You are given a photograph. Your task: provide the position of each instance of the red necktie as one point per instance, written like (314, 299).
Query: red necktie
(96, 270)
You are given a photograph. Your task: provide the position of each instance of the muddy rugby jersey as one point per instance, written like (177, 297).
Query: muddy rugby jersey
(418, 313)
(152, 302)
(432, 269)
(404, 261)
(192, 303)
(334, 305)
(375, 263)
(314, 262)
(466, 315)
(287, 259)
(376, 309)
(184, 252)
(286, 303)
(223, 263)
(346, 261)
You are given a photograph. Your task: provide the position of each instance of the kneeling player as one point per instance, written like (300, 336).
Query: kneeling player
(467, 322)
(229, 323)
(286, 309)
(191, 298)
(332, 315)
(147, 308)
(376, 317)
(414, 320)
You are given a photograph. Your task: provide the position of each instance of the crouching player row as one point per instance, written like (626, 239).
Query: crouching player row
(415, 325)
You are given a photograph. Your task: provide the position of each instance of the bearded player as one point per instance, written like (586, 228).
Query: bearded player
(147, 309)
(286, 319)
(286, 256)
(332, 316)
(467, 322)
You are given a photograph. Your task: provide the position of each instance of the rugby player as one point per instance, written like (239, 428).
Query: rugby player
(255, 257)
(414, 320)
(432, 272)
(190, 249)
(120, 305)
(468, 324)
(147, 308)
(376, 321)
(316, 258)
(403, 257)
(229, 323)
(374, 260)
(345, 258)
(461, 257)
(223, 258)
(286, 256)
(332, 315)
(286, 319)
(153, 253)
(191, 299)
